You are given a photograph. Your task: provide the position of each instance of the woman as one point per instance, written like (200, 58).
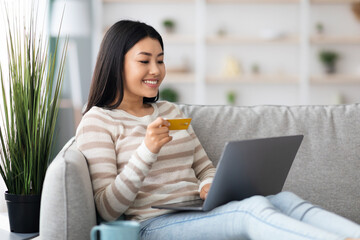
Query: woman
(136, 162)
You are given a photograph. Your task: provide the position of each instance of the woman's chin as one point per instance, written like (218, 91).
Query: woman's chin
(151, 96)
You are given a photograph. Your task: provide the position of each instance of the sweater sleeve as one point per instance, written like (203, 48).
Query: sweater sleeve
(203, 167)
(113, 192)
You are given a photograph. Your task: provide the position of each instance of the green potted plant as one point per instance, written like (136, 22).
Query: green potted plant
(329, 59)
(169, 25)
(255, 68)
(30, 102)
(169, 94)
(231, 97)
(320, 28)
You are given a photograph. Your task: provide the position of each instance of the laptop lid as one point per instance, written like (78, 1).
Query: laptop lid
(247, 168)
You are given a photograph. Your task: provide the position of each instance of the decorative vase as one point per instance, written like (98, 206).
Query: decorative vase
(169, 25)
(24, 212)
(330, 68)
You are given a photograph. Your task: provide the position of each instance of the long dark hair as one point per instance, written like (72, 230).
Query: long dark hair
(107, 81)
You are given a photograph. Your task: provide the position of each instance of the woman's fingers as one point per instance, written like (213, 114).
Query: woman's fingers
(161, 130)
(204, 191)
(158, 123)
(165, 140)
(157, 135)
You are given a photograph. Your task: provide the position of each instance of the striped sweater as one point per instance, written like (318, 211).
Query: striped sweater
(126, 177)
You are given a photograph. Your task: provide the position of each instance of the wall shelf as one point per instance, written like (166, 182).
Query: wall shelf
(343, 40)
(335, 79)
(148, 1)
(256, 79)
(251, 40)
(171, 38)
(333, 1)
(252, 1)
(178, 77)
(178, 39)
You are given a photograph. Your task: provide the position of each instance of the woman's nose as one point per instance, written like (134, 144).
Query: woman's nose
(154, 69)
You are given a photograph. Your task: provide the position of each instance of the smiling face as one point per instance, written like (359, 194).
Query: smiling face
(144, 70)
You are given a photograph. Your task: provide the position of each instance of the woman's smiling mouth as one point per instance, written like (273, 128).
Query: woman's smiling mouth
(153, 83)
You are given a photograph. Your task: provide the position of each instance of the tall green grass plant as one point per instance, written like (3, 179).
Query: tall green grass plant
(30, 102)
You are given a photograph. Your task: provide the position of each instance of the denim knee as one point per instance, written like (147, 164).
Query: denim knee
(261, 200)
(288, 195)
(255, 204)
(285, 198)
(291, 205)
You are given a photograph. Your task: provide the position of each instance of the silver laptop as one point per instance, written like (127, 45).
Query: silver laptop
(247, 168)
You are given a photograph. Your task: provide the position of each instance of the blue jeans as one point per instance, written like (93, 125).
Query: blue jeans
(280, 216)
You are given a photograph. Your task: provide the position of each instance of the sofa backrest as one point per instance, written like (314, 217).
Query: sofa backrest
(326, 170)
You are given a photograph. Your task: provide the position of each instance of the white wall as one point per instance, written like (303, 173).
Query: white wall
(3, 62)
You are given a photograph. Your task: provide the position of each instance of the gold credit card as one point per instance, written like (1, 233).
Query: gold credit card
(179, 124)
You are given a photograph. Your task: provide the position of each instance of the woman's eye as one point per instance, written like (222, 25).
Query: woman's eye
(146, 62)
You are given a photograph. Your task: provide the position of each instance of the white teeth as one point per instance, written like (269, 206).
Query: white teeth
(150, 82)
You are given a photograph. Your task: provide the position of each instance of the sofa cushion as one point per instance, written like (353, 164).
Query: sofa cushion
(67, 205)
(326, 168)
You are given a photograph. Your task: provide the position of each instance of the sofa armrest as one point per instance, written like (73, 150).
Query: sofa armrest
(67, 205)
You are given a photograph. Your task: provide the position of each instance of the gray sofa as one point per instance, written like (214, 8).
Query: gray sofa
(326, 170)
